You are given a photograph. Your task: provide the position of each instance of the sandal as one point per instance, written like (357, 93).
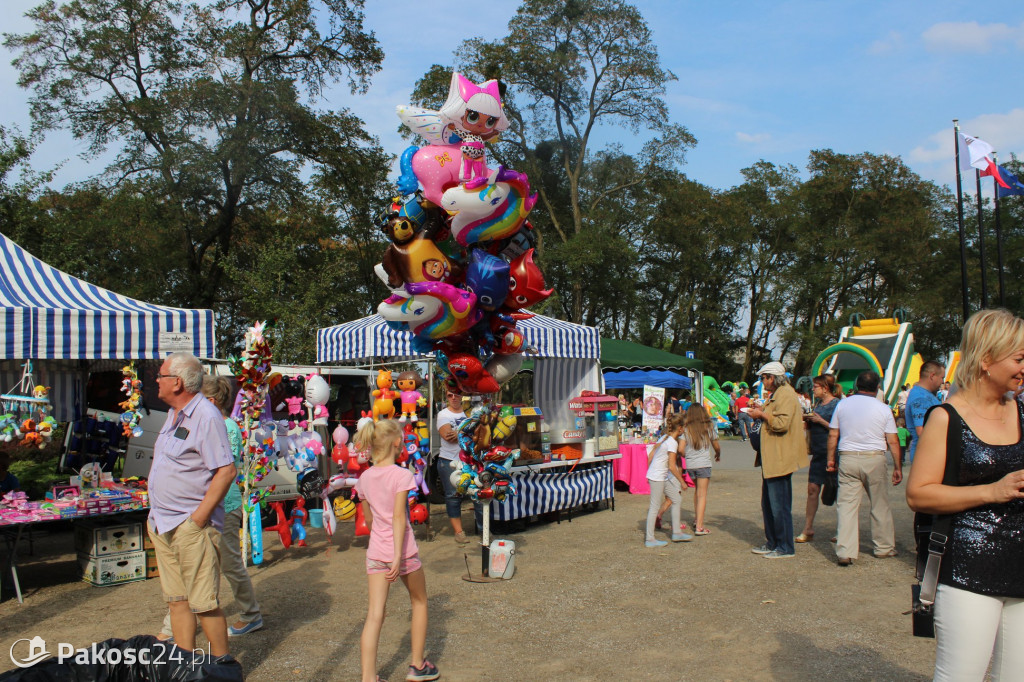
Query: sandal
(701, 531)
(804, 537)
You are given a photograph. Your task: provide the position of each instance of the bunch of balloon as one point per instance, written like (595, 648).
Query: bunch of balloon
(486, 468)
(460, 264)
(259, 431)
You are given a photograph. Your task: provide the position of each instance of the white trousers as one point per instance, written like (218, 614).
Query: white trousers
(659, 491)
(972, 628)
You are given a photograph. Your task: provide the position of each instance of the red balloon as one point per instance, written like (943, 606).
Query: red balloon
(418, 513)
(339, 453)
(361, 528)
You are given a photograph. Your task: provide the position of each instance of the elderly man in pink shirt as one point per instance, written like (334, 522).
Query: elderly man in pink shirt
(192, 471)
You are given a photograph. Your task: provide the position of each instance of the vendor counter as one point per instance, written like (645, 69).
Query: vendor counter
(557, 486)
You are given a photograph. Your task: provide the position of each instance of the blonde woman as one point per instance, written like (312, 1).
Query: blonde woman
(698, 439)
(979, 603)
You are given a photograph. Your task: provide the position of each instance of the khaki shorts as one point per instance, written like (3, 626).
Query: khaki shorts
(189, 561)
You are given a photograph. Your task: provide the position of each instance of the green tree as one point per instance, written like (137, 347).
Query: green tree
(865, 221)
(764, 211)
(205, 105)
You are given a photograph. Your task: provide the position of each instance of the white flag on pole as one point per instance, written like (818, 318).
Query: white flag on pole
(974, 153)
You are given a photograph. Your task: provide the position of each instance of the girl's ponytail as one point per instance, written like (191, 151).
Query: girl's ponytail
(377, 438)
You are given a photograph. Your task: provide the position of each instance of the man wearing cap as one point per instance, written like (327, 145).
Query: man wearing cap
(783, 451)
(861, 429)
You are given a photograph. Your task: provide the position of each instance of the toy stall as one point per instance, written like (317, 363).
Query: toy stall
(53, 328)
(568, 470)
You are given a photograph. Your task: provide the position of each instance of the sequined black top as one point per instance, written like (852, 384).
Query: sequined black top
(986, 554)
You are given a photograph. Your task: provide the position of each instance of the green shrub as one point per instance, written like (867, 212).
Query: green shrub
(37, 475)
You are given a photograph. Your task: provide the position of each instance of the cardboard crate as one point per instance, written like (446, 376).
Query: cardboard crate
(100, 539)
(152, 571)
(113, 569)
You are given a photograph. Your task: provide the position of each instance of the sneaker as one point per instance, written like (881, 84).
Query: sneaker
(776, 554)
(251, 626)
(654, 543)
(763, 549)
(460, 538)
(681, 537)
(428, 671)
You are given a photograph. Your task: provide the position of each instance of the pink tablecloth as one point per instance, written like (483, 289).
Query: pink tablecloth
(631, 468)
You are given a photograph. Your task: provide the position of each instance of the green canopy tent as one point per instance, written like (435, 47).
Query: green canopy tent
(626, 355)
(616, 354)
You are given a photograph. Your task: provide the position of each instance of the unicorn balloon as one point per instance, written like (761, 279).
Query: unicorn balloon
(431, 310)
(492, 211)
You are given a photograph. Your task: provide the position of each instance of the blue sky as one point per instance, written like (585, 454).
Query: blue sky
(756, 80)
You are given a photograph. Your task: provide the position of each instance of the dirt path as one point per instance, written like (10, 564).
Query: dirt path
(588, 602)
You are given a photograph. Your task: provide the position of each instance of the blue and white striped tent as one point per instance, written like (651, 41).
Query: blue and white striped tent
(567, 358)
(371, 337)
(48, 314)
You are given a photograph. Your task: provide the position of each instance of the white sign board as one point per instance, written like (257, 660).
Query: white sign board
(174, 342)
(654, 407)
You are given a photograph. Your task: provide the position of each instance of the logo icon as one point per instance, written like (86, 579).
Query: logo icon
(36, 652)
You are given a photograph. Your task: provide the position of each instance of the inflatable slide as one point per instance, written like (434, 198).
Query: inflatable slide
(885, 345)
(717, 403)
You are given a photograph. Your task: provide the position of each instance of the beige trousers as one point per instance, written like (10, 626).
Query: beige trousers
(859, 473)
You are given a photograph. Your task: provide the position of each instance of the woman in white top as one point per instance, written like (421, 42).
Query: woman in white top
(699, 438)
(666, 480)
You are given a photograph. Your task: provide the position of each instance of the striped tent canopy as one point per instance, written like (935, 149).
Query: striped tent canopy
(371, 337)
(48, 314)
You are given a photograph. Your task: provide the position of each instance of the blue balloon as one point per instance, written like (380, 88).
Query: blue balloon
(407, 182)
(487, 277)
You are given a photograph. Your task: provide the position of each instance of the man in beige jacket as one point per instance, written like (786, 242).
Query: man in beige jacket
(783, 451)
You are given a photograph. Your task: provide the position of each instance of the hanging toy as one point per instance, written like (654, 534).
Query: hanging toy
(298, 518)
(317, 394)
(384, 405)
(407, 384)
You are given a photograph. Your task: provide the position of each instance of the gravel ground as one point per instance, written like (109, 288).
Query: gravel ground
(588, 601)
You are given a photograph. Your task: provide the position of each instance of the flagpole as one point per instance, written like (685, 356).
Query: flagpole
(999, 237)
(960, 222)
(981, 243)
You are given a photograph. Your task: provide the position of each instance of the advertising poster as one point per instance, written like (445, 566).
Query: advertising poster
(654, 408)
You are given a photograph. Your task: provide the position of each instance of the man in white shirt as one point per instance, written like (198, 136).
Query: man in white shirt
(861, 430)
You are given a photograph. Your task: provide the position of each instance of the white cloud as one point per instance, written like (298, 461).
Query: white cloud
(1005, 132)
(970, 36)
(890, 43)
(756, 138)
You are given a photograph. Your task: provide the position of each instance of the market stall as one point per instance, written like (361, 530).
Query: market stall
(632, 365)
(566, 365)
(63, 323)
(61, 326)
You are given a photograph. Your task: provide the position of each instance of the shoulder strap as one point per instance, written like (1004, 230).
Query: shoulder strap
(938, 539)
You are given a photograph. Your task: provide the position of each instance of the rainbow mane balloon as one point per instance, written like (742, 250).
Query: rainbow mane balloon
(491, 211)
(434, 310)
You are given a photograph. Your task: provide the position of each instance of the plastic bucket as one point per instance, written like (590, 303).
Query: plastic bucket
(316, 518)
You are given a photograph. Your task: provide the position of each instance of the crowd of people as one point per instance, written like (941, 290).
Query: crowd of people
(975, 478)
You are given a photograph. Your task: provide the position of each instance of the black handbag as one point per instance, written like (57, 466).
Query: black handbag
(830, 489)
(933, 535)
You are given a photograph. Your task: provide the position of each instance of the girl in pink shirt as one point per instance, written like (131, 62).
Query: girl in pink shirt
(392, 552)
